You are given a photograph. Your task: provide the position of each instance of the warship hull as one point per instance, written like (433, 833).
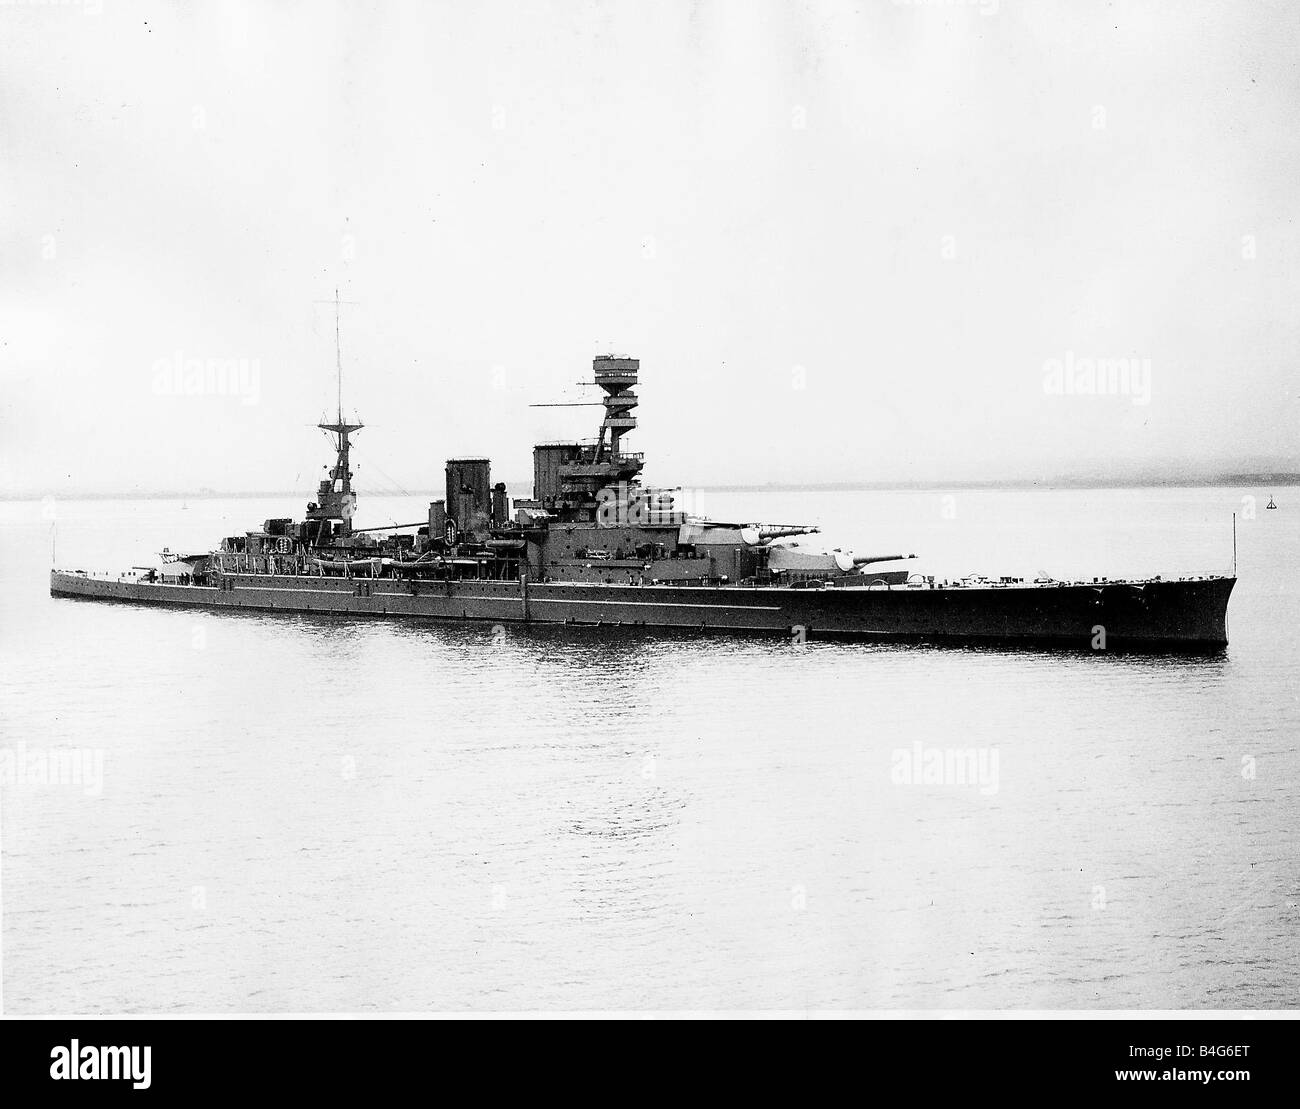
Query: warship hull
(1185, 616)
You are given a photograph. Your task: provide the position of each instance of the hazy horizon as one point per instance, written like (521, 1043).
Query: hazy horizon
(891, 244)
(521, 487)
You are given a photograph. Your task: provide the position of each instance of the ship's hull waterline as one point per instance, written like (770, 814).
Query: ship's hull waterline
(1184, 616)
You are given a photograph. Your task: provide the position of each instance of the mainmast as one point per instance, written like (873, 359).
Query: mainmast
(335, 499)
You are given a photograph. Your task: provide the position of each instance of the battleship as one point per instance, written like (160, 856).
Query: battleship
(593, 545)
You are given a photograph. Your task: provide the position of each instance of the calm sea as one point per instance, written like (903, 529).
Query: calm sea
(246, 813)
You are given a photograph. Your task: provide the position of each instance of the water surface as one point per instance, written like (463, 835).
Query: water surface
(308, 814)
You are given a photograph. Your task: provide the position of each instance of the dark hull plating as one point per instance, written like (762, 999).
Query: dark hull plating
(1184, 616)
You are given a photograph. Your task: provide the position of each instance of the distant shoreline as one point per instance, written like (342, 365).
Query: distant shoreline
(1221, 481)
(1230, 481)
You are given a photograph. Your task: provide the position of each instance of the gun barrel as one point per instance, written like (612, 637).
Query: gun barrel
(865, 560)
(780, 531)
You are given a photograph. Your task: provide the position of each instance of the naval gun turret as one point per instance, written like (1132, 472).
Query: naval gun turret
(796, 561)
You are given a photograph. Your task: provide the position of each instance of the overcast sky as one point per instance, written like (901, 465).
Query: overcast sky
(873, 241)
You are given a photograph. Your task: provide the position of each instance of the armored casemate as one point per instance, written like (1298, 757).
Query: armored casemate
(593, 545)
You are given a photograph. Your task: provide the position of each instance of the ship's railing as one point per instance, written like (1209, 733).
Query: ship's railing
(587, 458)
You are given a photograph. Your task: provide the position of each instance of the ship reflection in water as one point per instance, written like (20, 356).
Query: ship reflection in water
(308, 813)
